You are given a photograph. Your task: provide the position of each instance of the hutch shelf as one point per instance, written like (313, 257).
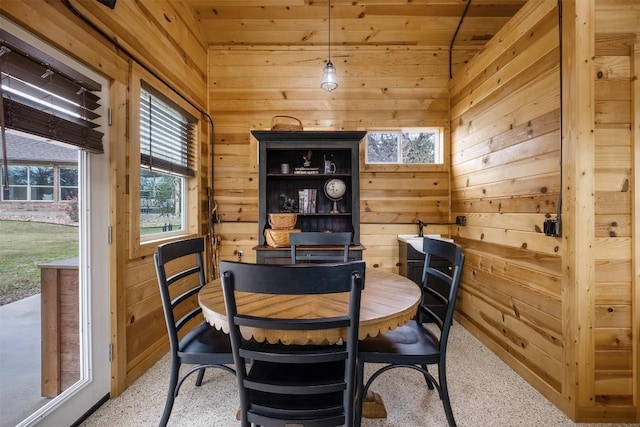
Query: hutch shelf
(284, 180)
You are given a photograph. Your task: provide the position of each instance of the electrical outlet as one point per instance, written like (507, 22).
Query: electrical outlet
(461, 220)
(553, 227)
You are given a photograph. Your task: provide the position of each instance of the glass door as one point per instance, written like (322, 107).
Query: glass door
(54, 339)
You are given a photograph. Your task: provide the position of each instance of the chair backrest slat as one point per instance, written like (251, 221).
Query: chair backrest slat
(319, 240)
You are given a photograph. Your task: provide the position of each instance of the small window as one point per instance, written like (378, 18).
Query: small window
(164, 187)
(415, 146)
(167, 155)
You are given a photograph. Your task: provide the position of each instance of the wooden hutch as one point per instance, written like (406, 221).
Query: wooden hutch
(292, 148)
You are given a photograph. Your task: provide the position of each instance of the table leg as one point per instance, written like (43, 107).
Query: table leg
(373, 406)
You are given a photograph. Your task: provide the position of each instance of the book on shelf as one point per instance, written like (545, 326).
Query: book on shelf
(307, 200)
(306, 171)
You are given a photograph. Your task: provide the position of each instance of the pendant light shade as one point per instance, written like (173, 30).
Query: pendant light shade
(329, 78)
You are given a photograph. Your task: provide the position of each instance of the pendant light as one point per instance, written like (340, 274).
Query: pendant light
(329, 78)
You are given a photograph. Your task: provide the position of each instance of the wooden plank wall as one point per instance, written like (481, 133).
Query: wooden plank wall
(505, 178)
(617, 31)
(407, 87)
(179, 58)
(505, 174)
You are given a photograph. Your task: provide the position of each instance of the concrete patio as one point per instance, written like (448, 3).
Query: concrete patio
(20, 360)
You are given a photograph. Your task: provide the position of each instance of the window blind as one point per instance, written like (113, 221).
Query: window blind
(167, 135)
(44, 97)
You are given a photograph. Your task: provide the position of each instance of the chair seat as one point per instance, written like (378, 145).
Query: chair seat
(410, 343)
(205, 344)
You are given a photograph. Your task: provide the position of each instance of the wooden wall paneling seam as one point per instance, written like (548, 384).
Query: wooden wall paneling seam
(522, 300)
(635, 282)
(524, 167)
(529, 101)
(526, 148)
(615, 43)
(615, 178)
(503, 98)
(525, 186)
(539, 203)
(546, 264)
(617, 19)
(578, 201)
(534, 128)
(531, 241)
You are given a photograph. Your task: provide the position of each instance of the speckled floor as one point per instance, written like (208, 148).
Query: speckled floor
(484, 392)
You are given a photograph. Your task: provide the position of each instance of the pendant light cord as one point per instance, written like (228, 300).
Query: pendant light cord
(329, 31)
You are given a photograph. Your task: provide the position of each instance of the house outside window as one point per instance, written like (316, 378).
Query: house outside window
(415, 146)
(42, 177)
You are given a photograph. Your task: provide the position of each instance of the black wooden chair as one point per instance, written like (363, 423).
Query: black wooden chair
(414, 345)
(202, 346)
(311, 385)
(313, 238)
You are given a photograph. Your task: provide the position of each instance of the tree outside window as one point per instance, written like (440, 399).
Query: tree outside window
(382, 147)
(161, 193)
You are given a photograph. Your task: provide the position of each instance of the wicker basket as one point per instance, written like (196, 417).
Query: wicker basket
(278, 238)
(278, 124)
(282, 221)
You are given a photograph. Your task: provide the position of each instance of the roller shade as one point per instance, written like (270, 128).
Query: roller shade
(167, 135)
(44, 97)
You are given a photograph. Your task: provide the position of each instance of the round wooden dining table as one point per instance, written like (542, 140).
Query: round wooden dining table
(388, 301)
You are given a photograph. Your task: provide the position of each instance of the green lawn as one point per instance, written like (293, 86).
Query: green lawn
(24, 245)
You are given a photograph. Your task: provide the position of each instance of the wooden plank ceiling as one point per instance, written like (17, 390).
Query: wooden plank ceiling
(420, 23)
